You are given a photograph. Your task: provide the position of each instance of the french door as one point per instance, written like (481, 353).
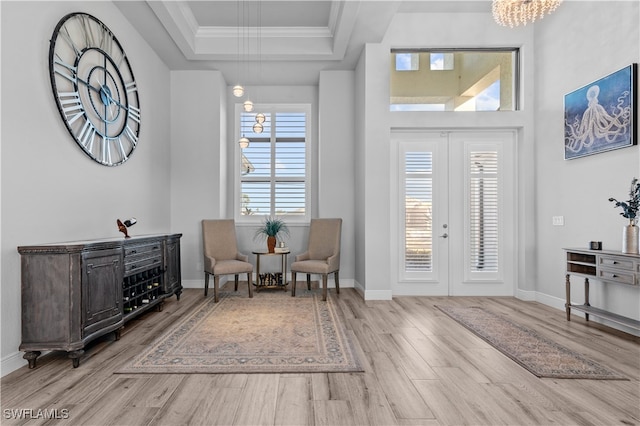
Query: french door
(454, 215)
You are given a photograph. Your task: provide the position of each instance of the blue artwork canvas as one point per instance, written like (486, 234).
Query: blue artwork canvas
(601, 116)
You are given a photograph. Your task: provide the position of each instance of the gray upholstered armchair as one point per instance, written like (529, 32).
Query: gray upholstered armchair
(322, 256)
(221, 256)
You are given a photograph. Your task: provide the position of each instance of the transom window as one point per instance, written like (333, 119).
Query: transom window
(454, 79)
(273, 178)
(407, 62)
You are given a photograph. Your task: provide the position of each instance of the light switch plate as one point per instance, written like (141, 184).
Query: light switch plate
(558, 220)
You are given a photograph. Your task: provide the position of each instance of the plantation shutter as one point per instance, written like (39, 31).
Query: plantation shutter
(290, 163)
(418, 227)
(274, 166)
(484, 236)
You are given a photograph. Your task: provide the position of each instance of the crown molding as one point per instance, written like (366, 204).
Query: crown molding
(277, 43)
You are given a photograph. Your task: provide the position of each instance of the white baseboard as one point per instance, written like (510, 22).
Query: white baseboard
(199, 283)
(195, 283)
(527, 295)
(553, 301)
(11, 363)
(378, 294)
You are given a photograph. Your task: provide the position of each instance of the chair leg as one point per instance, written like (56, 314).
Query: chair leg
(324, 287)
(216, 283)
(206, 284)
(309, 282)
(236, 282)
(293, 284)
(250, 284)
(337, 278)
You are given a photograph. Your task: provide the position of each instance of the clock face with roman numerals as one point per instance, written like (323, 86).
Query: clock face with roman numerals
(94, 88)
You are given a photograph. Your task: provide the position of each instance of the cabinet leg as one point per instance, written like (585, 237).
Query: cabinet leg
(117, 334)
(586, 296)
(31, 356)
(75, 357)
(567, 305)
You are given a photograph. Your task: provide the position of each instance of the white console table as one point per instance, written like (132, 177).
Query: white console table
(607, 267)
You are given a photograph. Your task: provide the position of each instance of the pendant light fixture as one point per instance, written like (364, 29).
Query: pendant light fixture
(238, 90)
(243, 142)
(260, 117)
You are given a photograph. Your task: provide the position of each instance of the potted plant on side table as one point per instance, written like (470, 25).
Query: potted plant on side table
(272, 228)
(630, 211)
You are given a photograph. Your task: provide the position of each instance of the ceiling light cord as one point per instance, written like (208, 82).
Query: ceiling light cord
(238, 90)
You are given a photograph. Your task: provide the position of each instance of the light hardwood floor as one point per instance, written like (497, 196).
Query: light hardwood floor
(421, 368)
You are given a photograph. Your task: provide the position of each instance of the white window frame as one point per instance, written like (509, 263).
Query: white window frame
(272, 109)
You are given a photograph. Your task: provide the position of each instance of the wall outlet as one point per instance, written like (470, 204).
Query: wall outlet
(557, 220)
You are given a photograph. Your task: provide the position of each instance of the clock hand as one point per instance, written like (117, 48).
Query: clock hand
(111, 100)
(88, 85)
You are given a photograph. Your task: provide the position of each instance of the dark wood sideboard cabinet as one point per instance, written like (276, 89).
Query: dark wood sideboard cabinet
(606, 267)
(75, 292)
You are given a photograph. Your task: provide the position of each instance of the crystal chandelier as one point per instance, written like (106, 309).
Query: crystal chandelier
(516, 12)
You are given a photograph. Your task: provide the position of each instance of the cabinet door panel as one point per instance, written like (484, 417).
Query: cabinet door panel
(101, 289)
(173, 282)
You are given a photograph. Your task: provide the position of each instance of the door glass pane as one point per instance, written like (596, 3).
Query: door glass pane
(418, 219)
(483, 211)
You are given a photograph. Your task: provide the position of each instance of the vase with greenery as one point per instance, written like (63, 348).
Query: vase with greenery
(630, 207)
(272, 229)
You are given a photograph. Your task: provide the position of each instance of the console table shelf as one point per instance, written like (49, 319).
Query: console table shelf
(590, 310)
(75, 292)
(607, 267)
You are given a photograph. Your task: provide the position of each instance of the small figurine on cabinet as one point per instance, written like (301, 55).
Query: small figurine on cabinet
(122, 226)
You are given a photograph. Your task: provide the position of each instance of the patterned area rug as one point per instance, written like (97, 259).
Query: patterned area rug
(540, 356)
(272, 332)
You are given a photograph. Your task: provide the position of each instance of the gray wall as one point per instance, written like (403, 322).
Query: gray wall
(51, 191)
(198, 161)
(575, 52)
(336, 161)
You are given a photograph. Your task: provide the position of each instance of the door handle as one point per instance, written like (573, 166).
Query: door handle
(445, 235)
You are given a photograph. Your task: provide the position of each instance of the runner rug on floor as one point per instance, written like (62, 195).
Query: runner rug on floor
(540, 356)
(269, 333)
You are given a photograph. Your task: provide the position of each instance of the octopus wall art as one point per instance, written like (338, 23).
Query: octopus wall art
(600, 116)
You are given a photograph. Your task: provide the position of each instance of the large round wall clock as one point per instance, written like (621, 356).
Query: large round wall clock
(94, 88)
